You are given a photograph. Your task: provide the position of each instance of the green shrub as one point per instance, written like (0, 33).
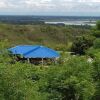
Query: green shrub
(98, 25)
(96, 44)
(97, 33)
(72, 81)
(81, 44)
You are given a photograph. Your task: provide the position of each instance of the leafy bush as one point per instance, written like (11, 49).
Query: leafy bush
(98, 25)
(96, 33)
(94, 53)
(72, 81)
(96, 77)
(81, 44)
(96, 44)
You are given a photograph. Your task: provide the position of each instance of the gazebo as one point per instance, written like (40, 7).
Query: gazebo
(34, 53)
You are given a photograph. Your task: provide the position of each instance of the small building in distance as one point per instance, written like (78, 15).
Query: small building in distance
(34, 54)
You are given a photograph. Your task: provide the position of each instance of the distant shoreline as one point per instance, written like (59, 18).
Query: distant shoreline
(67, 20)
(92, 23)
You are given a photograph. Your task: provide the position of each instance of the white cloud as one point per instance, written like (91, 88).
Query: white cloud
(50, 5)
(2, 5)
(89, 0)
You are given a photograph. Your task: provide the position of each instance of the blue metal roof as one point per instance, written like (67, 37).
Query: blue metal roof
(37, 51)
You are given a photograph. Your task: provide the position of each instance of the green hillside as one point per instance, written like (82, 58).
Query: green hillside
(73, 77)
(40, 34)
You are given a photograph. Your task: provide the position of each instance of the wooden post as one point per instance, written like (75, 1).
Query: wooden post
(55, 60)
(42, 61)
(28, 60)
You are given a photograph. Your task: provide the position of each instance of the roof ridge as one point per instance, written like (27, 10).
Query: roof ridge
(31, 50)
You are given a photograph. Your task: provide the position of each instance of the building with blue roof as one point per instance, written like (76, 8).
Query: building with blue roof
(34, 52)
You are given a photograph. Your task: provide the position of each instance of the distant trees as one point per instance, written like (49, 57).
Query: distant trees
(31, 34)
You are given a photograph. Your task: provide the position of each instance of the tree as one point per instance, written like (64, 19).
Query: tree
(96, 44)
(73, 81)
(96, 77)
(19, 82)
(96, 33)
(81, 44)
(98, 25)
(93, 53)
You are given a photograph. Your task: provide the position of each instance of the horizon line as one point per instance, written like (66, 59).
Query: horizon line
(51, 15)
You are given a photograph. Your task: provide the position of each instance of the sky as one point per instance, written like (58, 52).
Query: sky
(50, 7)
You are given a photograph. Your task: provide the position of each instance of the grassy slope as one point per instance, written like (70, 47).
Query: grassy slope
(40, 34)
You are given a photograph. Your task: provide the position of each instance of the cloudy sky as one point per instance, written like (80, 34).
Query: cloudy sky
(50, 7)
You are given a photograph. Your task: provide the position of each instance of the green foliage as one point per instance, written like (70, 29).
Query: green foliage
(16, 82)
(61, 47)
(96, 77)
(96, 44)
(96, 33)
(72, 81)
(94, 53)
(74, 78)
(81, 44)
(96, 30)
(98, 25)
(40, 34)
(4, 44)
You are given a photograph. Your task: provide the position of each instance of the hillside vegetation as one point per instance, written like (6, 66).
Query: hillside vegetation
(41, 34)
(74, 77)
